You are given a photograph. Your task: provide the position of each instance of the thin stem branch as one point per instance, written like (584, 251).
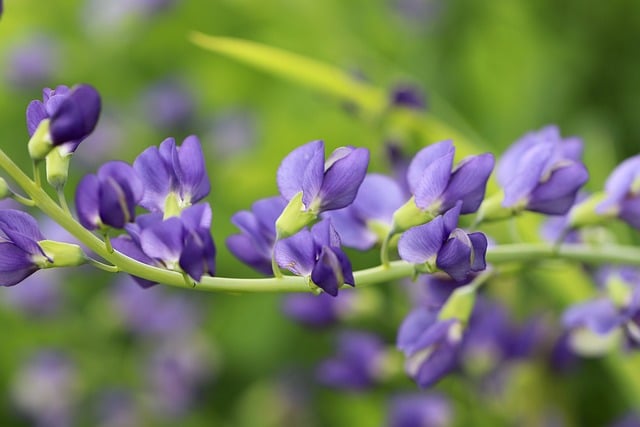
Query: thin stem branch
(63, 200)
(103, 266)
(23, 200)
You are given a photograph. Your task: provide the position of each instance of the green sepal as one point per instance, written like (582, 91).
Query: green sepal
(459, 305)
(5, 191)
(293, 218)
(584, 213)
(40, 143)
(57, 165)
(618, 291)
(410, 215)
(62, 254)
(491, 209)
(172, 206)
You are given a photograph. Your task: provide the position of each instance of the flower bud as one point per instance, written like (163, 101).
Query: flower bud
(62, 254)
(5, 192)
(293, 218)
(57, 162)
(40, 143)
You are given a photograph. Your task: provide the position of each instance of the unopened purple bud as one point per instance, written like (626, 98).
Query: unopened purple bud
(623, 193)
(109, 197)
(76, 116)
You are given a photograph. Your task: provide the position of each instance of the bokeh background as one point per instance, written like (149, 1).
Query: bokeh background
(81, 347)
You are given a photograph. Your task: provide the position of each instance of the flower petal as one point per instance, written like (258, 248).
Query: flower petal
(343, 178)
(189, 165)
(296, 253)
(36, 113)
(369, 205)
(156, 178)
(87, 201)
(22, 222)
(528, 173)
(163, 241)
(455, 257)
(434, 181)
(128, 247)
(418, 244)
(479, 244)
(198, 255)
(15, 264)
(424, 158)
(468, 183)
(558, 193)
(294, 166)
(245, 249)
(77, 115)
(413, 326)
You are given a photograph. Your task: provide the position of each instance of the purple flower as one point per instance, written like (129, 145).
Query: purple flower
(316, 253)
(169, 105)
(173, 177)
(615, 315)
(318, 310)
(73, 114)
(254, 245)
(153, 312)
(357, 364)
(357, 223)
(408, 96)
(178, 243)
(450, 249)
(623, 193)
(38, 295)
(45, 389)
(431, 345)
(542, 172)
(419, 410)
(437, 188)
(20, 254)
(108, 198)
(325, 185)
(33, 62)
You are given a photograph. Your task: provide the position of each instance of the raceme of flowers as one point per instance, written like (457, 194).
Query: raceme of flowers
(154, 211)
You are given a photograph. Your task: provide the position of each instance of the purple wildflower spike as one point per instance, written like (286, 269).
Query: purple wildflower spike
(73, 114)
(109, 197)
(356, 223)
(439, 243)
(319, 311)
(325, 185)
(542, 172)
(20, 254)
(431, 345)
(173, 177)
(254, 244)
(623, 193)
(316, 253)
(357, 364)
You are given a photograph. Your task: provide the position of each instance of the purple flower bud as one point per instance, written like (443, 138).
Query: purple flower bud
(357, 364)
(623, 192)
(171, 171)
(254, 244)
(408, 96)
(437, 188)
(20, 254)
(419, 410)
(431, 345)
(110, 197)
(354, 223)
(451, 249)
(316, 253)
(542, 172)
(325, 185)
(73, 114)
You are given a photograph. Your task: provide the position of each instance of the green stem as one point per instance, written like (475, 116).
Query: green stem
(103, 266)
(395, 270)
(384, 250)
(63, 200)
(23, 200)
(36, 173)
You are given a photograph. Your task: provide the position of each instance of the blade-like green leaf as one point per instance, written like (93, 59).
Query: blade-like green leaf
(315, 74)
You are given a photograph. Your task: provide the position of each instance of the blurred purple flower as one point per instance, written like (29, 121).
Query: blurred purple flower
(37, 295)
(431, 291)
(451, 249)
(357, 363)
(623, 192)
(116, 408)
(174, 172)
(254, 244)
(431, 345)
(73, 114)
(542, 172)
(316, 253)
(177, 370)
(169, 105)
(45, 389)
(437, 187)
(356, 223)
(408, 96)
(318, 310)
(631, 419)
(233, 132)
(33, 62)
(109, 197)
(419, 410)
(325, 185)
(20, 254)
(154, 312)
(105, 142)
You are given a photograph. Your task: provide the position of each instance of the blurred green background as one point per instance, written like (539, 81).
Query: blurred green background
(492, 70)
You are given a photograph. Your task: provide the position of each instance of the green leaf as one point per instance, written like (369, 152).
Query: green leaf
(315, 74)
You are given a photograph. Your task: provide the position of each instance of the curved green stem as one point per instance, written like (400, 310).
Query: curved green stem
(103, 266)
(384, 250)
(23, 200)
(63, 200)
